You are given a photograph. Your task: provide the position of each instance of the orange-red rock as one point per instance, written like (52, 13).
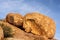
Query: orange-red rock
(39, 24)
(15, 19)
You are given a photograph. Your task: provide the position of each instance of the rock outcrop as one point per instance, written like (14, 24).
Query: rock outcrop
(33, 26)
(20, 34)
(39, 24)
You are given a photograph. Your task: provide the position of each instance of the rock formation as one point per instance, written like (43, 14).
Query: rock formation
(33, 26)
(39, 24)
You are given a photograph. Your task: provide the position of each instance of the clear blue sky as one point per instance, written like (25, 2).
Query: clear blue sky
(49, 8)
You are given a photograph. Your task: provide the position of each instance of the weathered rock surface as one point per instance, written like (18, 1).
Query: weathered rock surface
(13, 39)
(42, 38)
(37, 27)
(1, 34)
(39, 24)
(15, 19)
(20, 34)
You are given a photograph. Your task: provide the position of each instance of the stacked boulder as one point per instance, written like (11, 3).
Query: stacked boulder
(33, 26)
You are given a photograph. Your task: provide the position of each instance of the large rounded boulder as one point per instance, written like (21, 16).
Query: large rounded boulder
(39, 24)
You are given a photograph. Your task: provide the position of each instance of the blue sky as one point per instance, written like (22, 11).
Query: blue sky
(47, 7)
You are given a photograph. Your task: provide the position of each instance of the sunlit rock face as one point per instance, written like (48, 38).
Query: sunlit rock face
(33, 26)
(1, 34)
(18, 34)
(39, 24)
(15, 19)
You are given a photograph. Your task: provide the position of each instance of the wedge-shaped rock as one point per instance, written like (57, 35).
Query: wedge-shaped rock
(39, 24)
(16, 33)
